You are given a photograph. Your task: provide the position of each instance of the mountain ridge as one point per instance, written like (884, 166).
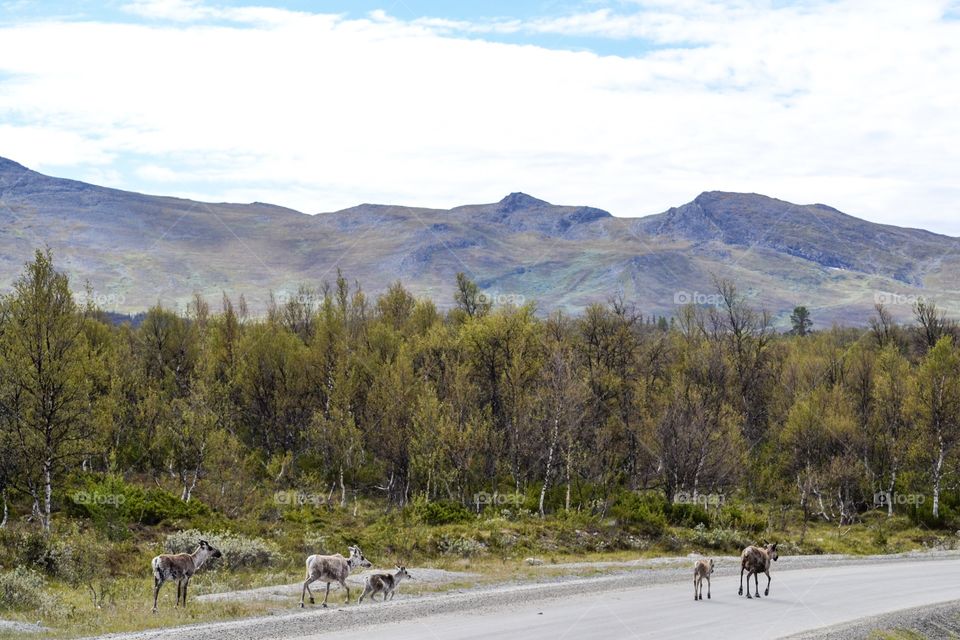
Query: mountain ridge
(140, 249)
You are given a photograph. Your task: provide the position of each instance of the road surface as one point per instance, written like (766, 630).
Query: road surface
(799, 601)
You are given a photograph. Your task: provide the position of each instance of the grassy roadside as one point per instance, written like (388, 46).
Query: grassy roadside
(494, 547)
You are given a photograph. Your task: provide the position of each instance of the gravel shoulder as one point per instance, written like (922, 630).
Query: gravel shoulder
(936, 622)
(556, 581)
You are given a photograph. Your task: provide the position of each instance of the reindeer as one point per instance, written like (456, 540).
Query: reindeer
(180, 567)
(329, 569)
(701, 569)
(384, 583)
(753, 560)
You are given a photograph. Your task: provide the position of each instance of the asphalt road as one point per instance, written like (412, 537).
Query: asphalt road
(800, 600)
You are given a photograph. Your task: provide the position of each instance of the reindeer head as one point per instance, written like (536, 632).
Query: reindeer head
(356, 558)
(711, 566)
(210, 550)
(772, 551)
(402, 573)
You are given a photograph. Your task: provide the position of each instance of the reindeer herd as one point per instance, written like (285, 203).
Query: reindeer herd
(180, 568)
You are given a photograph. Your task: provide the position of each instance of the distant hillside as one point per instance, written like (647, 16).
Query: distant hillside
(136, 250)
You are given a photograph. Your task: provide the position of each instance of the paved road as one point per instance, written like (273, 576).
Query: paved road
(800, 600)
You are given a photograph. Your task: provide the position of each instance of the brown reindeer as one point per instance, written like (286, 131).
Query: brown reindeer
(329, 569)
(753, 561)
(701, 570)
(384, 583)
(180, 567)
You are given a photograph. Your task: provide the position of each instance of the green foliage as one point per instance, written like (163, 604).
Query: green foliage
(442, 512)
(23, 589)
(684, 514)
(742, 517)
(647, 513)
(113, 504)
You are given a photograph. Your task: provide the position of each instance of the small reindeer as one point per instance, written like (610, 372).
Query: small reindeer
(701, 571)
(753, 561)
(180, 567)
(384, 583)
(329, 569)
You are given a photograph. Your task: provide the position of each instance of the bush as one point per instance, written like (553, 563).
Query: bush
(112, 504)
(687, 514)
(646, 512)
(238, 551)
(23, 589)
(722, 539)
(463, 546)
(441, 512)
(737, 517)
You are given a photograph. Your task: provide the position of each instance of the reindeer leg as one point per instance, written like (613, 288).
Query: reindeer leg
(748, 585)
(185, 583)
(740, 593)
(695, 588)
(343, 584)
(157, 583)
(756, 583)
(708, 589)
(767, 592)
(177, 606)
(305, 591)
(324, 603)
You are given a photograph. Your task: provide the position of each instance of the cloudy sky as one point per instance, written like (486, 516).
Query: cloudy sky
(631, 105)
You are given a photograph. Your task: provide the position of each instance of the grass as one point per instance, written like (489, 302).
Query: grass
(495, 548)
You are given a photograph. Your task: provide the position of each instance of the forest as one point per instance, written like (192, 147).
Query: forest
(336, 395)
(340, 418)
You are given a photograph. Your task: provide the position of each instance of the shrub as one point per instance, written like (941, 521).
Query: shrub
(686, 514)
(442, 512)
(23, 589)
(112, 504)
(738, 517)
(463, 546)
(238, 551)
(721, 538)
(646, 512)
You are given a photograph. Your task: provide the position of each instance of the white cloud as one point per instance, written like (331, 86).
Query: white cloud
(848, 103)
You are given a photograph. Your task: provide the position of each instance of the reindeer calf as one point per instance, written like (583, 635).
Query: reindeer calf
(701, 571)
(180, 567)
(384, 583)
(755, 560)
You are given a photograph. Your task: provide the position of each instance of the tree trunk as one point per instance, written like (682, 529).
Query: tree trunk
(937, 476)
(6, 511)
(343, 490)
(893, 481)
(546, 475)
(47, 494)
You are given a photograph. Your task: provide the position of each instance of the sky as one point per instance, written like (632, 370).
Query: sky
(632, 106)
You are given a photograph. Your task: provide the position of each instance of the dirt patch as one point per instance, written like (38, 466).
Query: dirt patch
(284, 592)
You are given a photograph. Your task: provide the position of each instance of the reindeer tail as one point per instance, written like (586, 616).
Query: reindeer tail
(155, 564)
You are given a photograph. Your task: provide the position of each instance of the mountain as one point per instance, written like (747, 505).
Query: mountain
(135, 250)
